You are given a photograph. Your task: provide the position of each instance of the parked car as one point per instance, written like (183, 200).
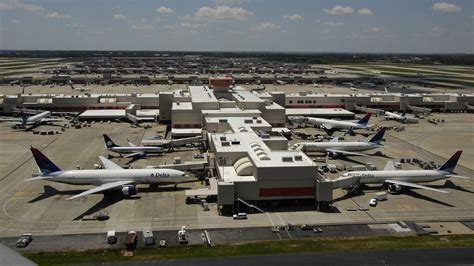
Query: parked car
(24, 240)
(239, 216)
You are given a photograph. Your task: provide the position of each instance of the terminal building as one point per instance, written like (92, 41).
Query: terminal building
(244, 130)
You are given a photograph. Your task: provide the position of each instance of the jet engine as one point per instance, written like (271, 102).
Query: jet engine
(129, 190)
(393, 188)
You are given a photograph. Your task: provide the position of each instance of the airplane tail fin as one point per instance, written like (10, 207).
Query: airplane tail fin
(45, 165)
(365, 120)
(24, 119)
(377, 138)
(109, 143)
(450, 164)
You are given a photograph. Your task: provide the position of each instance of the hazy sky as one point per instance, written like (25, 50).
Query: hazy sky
(239, 25)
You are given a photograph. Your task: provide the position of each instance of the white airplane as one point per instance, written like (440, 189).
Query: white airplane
(397, 179)
(335, 148)
(402, 118)
(81, 89)
(331, 125)
(41, 118)
(132, 150)
(112, 177)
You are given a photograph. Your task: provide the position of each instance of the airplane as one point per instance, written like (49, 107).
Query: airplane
(15, 82)
(132, 150)
(335, 148)
(397, 179)
(41, 118)
(330, 125)
(400, 118)
(81, 89)
(112, 177)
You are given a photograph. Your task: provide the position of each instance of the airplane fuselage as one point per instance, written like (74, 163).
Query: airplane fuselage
(335, 124)
(138, 176)
(37, 118)
(399, 118)
(146, 149)
(345, 146)
(367, 177)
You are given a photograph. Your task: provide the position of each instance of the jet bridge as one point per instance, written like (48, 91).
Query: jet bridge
(418, 109)
(369, 110)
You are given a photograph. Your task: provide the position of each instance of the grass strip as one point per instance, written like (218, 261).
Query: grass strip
(254, 248)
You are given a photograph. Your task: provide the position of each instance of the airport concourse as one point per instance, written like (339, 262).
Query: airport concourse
(145, 156)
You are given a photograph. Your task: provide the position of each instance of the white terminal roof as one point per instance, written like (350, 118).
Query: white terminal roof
(241, 124)
(148, 112)
(231, 112)
(257, 150)
(182, 106)
(243, 95)
(103, 114)
(201, 94)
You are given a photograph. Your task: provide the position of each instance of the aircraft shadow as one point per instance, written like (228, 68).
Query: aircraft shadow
(50, 191)
(411, 192)
(161, 189)
(109, 199)
(450, 184)
(358, 192)
(347, 159)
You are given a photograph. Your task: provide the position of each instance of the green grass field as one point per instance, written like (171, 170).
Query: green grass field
(255, 248)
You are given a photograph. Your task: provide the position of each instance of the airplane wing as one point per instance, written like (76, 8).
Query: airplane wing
(131, 144)
(408, 184)
(44, 120)
(9, 119)
(346, 152)
(327, 126)
(389, 166)
(108, 164)
(100, 188)
(459, 176)
(135, 154)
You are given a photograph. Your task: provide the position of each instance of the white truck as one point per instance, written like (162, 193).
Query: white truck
(148, 238)
(111, 237)
(182, 236)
